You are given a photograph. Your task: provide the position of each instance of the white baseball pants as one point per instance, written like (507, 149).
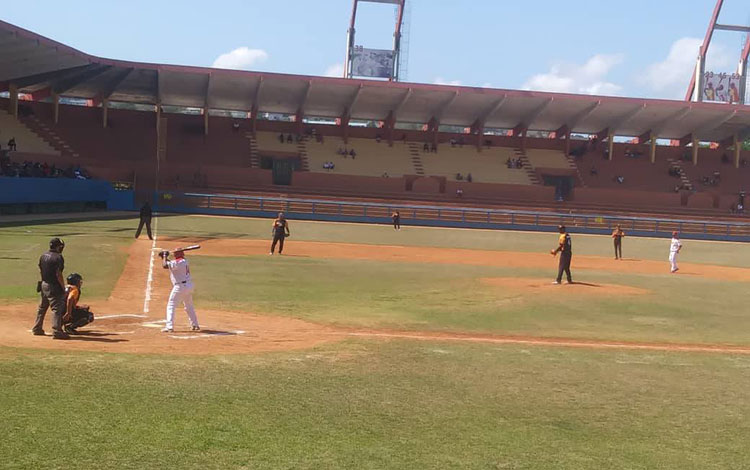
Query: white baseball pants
(181, 293)
(673, 260)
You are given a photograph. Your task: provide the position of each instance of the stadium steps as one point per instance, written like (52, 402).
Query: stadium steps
(302, 150)
(416, 158)
(573, 165)
(31, 127)
(253, 146)
(526, 165)
(683, 174)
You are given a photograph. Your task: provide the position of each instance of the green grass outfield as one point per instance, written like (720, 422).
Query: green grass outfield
(388, 404)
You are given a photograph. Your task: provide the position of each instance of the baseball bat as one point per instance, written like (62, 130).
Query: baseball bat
(187, 248)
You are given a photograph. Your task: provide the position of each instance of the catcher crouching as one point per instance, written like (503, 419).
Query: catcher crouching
(76, 315)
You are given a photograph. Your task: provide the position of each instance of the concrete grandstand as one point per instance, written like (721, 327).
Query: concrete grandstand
(167, 126)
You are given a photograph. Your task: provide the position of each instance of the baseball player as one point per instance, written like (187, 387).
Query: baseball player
(182, 289)
(674, 249)
(565, 248)
(76, 315)
(146, 215)
(52, 290)
(396, 216)
(617, 236)
(279, 230)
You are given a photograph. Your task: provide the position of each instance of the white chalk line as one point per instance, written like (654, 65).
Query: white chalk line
(209, 335)
(125, 315)
(150, 278)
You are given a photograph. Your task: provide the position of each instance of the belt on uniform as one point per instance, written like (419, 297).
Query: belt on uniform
(183, 282)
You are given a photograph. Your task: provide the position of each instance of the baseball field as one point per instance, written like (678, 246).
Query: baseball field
(366, 347)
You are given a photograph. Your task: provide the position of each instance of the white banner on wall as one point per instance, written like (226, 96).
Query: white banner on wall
(372, 62)
(721, 87)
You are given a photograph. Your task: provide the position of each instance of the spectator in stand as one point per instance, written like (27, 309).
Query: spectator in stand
(385, 174)
(605, 154)
(281, 138)
(620, 179)
(377, 138)
(453, 142)
(460, 141)
(468, 178)
(235, 126)
(426, 147)
(352, 154)
(12, 144)
(289, 139)
(459, 192)
(459, 177)
(433, 148)
(594, 171)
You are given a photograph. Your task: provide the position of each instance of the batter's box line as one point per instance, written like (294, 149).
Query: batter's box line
(210, 335)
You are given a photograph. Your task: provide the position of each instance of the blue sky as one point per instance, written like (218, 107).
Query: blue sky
(583, 46)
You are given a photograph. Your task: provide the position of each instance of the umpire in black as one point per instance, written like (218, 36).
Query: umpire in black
(145, 220)
(52, 290)
(565, 248)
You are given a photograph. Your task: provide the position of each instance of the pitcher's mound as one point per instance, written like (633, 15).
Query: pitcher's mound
(543, 286)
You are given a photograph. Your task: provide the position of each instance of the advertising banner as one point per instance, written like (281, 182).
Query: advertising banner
(372, 62)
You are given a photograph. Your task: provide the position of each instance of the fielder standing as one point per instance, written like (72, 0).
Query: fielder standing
(396, 216)
(674, 249)
(279, 230)
(182, 289)
(617, 236)
(565, 248)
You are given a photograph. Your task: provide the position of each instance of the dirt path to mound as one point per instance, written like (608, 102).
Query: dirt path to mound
(415, 254)
(123, 325)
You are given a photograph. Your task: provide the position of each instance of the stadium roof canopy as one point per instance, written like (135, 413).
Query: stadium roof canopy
(41, 67)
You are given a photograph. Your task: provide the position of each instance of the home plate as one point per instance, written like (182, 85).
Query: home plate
(210, 335)
(154, 324)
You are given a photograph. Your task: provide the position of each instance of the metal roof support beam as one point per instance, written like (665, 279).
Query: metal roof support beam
(253, 118)
(443, 107)
(401, 103)
(676, 116)
(562, 131)
(36, 79)
(105, 113)
(256, 94)
(13, 95)
(652, 150)
(389, 123)
(645, 137)
(529, 119)
(695, 150)
(583, 115)
(56, 107)
(489, 112)
(344, 120)
(737, 150)
(698, 73)
(109, 88)
(625, 118)
(159, 87)
(206, 104)
(685, 140)
(610, 144)
(68, 83)
(713, 124)
(352, 101)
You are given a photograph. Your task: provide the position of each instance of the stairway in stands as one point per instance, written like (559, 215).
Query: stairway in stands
(683, 175)
(416, 158)
(302, 150)
(48, 134)
(526, 165)
(253, 147)
(574, 166)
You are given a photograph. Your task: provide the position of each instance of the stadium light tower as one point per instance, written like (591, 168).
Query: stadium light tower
(713, 86)
(377, 63)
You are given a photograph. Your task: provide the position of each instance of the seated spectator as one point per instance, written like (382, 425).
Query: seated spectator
(433, 148)
(459, 192)
(605, 154)
(235, 126)
(468, 178)
(281, 138)
(743, 162)
(289, 139)
(677, 188)
(385, 174)
(352, 154)
(12, 144)
(453, 142)
(593, 171)
(378, 138)
(740, 208)
(620, 179)
(488, 142)
(426, 147)
(459, 177)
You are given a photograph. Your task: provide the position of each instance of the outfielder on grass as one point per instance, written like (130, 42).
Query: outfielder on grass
(182, 288)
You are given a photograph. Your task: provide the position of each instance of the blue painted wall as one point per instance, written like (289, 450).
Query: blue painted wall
(44, 190)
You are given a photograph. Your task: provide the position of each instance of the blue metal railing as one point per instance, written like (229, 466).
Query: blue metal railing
(445, 216)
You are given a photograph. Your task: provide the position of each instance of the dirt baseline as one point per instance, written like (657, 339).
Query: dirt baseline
(129, 321)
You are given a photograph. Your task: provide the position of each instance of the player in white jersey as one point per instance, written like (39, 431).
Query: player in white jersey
(182, 289)
(674, 249)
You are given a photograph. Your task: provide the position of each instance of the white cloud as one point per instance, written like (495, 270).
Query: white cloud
(335, 70)
(442, 81)
(241, 58)
(671, 76)
(589, 78)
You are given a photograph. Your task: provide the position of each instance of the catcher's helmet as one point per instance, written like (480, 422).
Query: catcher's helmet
(74, 279)
(56, 242)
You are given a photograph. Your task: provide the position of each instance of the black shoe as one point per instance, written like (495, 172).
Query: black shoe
(70, 330)
(61, 336)
(37, 332)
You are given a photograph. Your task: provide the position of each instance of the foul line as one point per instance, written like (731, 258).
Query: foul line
(150, 278)
(574, 343)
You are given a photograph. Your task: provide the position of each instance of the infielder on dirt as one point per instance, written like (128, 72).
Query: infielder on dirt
(279, 230)
(674, 249)
(565, 248)
(182, 288)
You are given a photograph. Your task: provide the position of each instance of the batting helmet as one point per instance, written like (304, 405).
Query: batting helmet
(55, 243)
(74, 279)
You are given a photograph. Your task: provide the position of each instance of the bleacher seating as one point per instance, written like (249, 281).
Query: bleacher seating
(26, 140)
(372, 158)
(269, 141)
(487, 166)
(187, 142)
(541, 158)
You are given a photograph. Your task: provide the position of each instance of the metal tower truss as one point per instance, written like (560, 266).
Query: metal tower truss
(374, 63)
(702, 83)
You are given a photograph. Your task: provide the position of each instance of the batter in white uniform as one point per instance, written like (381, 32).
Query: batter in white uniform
(674, 249)
(182, 289)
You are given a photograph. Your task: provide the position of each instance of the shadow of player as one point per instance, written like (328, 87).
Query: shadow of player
(587, 284)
